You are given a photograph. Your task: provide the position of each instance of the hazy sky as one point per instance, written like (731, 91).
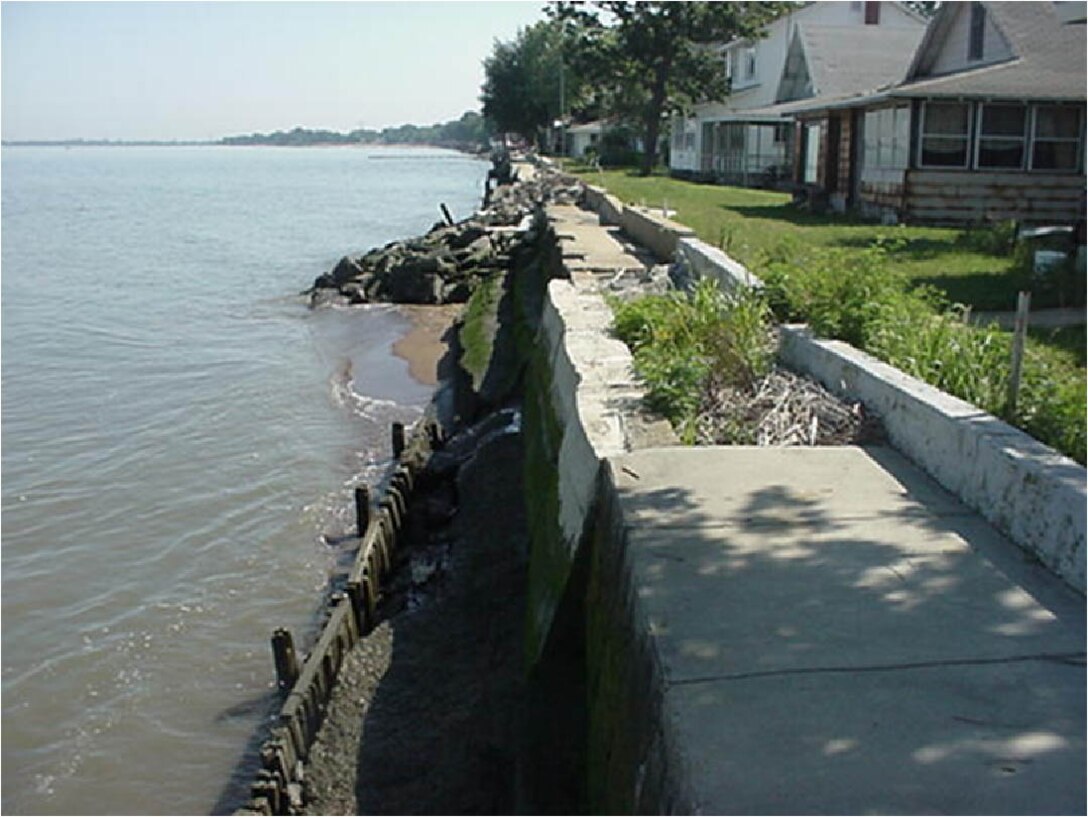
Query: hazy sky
(189, 70)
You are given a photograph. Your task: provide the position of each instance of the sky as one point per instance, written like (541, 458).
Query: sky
(204, 70)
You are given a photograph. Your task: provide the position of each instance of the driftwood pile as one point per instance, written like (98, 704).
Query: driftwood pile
(782, 409)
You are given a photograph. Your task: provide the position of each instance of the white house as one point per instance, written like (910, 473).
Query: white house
(584, 136)
(739, 140)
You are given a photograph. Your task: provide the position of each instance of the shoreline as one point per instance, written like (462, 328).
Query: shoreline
(423, 345)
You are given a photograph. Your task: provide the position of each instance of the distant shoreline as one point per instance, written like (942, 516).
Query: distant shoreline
(73, 143)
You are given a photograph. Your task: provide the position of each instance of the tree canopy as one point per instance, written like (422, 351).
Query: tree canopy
(527, 85)
(651, 59)
(469, 132)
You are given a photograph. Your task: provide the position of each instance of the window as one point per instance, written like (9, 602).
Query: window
(1001, 136)
(887, 137)
(945, 134)
(729, 67)
(872, 14)
(749, 63)
(1056, 138)
(978, 32)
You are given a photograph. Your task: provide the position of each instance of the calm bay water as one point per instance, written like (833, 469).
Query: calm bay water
(179, 430)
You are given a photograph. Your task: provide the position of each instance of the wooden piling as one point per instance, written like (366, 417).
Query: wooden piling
(362, 509)
(398, 440)
(283, 650)
(446, 214)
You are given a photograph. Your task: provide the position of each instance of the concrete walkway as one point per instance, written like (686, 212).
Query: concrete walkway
(838, 635)
(589, 247)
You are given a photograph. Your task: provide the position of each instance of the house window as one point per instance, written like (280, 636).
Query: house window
(872, 14)
(1001, 136)
(729, 67)
(1056, 139)
(749, 63)
(945, 134)
(978, 32)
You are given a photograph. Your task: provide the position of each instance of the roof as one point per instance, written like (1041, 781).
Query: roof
(845, 60)
(587, 127)
(1048, 62)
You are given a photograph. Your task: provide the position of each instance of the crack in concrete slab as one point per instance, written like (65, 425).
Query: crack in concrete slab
(1069, 658)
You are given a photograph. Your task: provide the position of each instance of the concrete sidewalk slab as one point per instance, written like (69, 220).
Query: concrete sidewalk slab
(588, 246)
(837, 634)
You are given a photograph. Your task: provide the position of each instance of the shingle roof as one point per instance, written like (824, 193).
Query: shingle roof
(843, 60)
(1049, 61)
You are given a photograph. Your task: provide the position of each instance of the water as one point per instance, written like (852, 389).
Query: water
(179, 430)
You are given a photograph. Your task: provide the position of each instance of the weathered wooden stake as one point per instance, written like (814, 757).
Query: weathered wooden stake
(446, 214)
(398, 439)
(1020, 331)
(362, 509)
(283, 650)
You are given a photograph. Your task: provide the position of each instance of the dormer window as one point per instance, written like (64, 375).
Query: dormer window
(749, 63)
(977, 34)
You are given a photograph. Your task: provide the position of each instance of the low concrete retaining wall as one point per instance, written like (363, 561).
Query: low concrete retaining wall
(1027, 490)
(653, 231)
(704, 261)
(605, 205)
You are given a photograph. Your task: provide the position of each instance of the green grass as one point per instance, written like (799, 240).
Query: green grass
(751, 223)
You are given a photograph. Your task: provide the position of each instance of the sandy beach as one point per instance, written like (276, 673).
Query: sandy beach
(424, 346)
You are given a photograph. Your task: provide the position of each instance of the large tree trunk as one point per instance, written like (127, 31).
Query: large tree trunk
(651, 124)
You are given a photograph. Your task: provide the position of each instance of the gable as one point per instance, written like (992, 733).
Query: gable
(796, 82)
(948, 49)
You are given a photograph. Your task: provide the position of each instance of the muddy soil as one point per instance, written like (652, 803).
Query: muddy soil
(427, 715)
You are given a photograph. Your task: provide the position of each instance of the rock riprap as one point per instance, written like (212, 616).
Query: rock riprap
(445, 265)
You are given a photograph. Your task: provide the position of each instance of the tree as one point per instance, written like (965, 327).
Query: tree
(527, 85)
(654, 59)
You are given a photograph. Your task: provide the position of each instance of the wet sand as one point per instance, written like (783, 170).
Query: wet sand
(424, 346)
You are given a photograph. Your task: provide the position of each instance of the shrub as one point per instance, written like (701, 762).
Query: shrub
(680, 342)
(840, 293)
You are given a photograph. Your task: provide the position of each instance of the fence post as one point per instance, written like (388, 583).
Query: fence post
(1020, 331)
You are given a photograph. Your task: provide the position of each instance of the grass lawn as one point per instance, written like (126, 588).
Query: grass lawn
(746, 223)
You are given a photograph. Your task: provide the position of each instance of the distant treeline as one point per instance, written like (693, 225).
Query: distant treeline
(468, 132)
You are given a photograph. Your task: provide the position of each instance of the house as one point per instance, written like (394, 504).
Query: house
(988, 123)
(744, 139)
(581, 137)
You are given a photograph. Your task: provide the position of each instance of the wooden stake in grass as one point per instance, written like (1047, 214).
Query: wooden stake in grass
(1020, 331)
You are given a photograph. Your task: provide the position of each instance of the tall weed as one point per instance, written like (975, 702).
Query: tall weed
(681, 342)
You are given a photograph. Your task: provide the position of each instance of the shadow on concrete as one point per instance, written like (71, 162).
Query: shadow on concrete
(820, 658)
